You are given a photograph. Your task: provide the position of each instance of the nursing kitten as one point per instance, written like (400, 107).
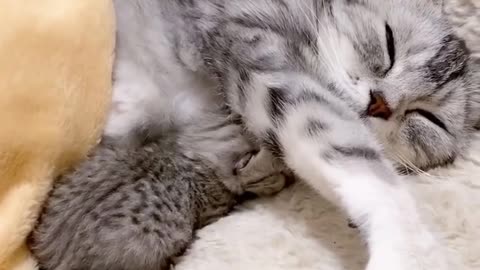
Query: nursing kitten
(136, 207)
(337, 89)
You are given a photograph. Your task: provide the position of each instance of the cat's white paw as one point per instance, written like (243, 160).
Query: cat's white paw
(386, 262)
(391, 260)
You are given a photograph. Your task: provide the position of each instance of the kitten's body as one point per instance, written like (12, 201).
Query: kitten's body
(134, 206)
(301, 75)
(137, 207)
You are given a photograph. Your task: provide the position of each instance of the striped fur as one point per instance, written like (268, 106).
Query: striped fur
(300, 75)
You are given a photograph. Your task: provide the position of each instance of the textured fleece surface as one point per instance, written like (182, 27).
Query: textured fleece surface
(299, 230)
(55, 69)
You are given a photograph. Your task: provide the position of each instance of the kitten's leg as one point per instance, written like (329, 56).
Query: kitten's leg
(261, 173)
(331, 149)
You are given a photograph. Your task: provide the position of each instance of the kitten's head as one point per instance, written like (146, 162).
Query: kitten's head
(413, 78)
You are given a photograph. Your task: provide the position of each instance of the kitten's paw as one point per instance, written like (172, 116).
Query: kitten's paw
(267, 186)
(258, 163)
(260, 174)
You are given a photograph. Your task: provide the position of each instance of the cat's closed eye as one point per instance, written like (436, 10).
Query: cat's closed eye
(390, 46)
(429, 116)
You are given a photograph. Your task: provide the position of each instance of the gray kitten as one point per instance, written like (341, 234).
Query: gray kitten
(341, 90)
(136, 207)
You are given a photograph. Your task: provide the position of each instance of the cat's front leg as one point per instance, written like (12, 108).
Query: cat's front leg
(333, 150)
(341, 160)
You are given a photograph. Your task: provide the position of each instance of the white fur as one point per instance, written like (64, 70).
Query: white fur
(146, 88)
(370, 191)
(300, 230)
(375, 197)
(371, 194)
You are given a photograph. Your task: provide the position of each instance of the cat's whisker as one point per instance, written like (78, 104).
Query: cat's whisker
(411, 166)
(406, 164)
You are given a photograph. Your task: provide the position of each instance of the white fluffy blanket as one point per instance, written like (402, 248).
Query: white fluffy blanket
(299, 230)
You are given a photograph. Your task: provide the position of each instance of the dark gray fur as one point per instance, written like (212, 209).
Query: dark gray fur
(136, 207)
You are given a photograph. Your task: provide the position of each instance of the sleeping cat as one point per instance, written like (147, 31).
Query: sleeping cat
(337, 89)
(341, 91)
(136, 207)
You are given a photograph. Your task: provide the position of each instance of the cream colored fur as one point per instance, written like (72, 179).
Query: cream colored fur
(55, 69)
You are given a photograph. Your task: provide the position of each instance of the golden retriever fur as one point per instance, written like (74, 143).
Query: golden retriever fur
(56, 60)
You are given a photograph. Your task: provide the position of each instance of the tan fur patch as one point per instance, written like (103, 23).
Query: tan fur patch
(54, 95)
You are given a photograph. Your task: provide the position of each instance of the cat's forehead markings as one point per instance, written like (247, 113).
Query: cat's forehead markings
(417, 48)
(448, 63)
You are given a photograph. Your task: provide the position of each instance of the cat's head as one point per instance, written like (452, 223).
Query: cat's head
(406, 72)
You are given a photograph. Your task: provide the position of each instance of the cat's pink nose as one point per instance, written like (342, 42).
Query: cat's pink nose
(378, 107)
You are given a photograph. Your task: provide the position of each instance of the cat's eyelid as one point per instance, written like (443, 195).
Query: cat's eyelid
(430, 117)
(390, 45)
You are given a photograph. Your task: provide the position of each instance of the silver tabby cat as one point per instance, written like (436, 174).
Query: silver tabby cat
(343, 91)
(137, 206)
